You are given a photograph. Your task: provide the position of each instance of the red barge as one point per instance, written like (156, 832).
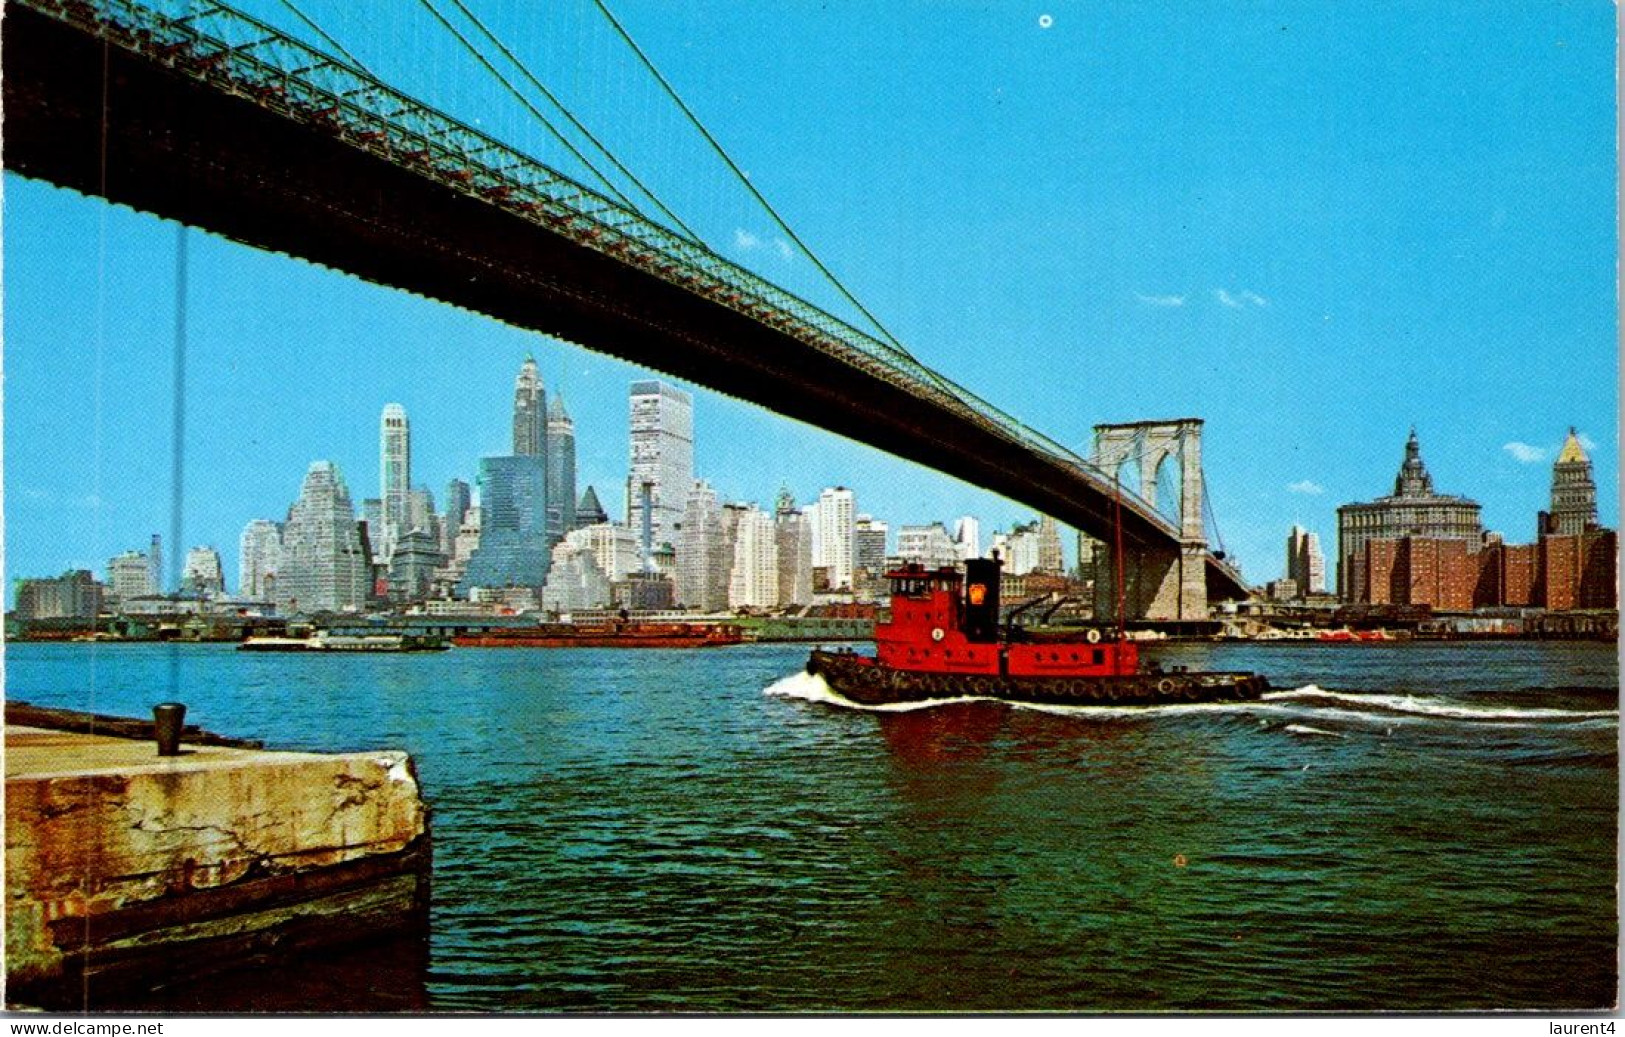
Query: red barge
(621, 634)
(945, 640)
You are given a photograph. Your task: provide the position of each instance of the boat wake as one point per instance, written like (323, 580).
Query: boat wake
(1422, 707)
(1305, 703)
(812, 688)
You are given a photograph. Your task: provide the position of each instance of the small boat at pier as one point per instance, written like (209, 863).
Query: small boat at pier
(347, 640)
(945, 640)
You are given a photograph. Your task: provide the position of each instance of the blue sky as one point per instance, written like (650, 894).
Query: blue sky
(1314, 225)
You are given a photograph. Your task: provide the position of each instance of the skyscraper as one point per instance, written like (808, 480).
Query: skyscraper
(662, 435)
(1050, 558)
(703, 561)
(259, 556)
(1305, 564)
(323, 568)
(794, 534)
(561, 470)
(927, 545)
(529, 411)
(394, 478)
(754, 580)
(203, 573)
(968, 535)
(614, 547)
(574, 579)
(513, 550)
(1574, 494)
(1019, 548)
(869, 538)
(155, 560)
(458, 500)
(130, 576)
(837, 510)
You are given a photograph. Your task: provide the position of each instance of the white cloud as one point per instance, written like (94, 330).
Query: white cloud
(748, 242)
(1586, 442)
(1523, 453)
(1305, 486)
(1239, 300)
(1161, 300)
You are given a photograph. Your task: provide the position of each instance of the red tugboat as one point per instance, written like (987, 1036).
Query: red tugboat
(945, 641)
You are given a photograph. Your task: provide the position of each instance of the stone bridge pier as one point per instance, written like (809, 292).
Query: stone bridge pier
(1161, 461)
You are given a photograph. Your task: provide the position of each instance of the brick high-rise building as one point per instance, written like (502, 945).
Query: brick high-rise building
(1577, 571)
(1440, 572)
(1435, 571)
(1506, 576)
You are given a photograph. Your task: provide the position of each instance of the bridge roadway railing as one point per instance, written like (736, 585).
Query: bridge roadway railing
(238, 54)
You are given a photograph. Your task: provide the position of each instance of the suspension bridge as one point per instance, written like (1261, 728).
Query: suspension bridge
(208, 116)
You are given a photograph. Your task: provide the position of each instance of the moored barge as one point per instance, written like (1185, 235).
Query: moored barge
(620, 634)
(945, 640)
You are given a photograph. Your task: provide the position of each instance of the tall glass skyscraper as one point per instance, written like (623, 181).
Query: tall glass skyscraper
(662, 422)
(394, 478)
(513, 549)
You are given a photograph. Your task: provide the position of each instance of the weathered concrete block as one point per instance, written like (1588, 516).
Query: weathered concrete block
(117, 859)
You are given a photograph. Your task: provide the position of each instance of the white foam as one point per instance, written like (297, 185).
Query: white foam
(1431, 707)
(810, 687)
(1305, 729)
(1162, 709)
(1290, 702)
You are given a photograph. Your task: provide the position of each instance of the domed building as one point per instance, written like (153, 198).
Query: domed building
(1413, 510)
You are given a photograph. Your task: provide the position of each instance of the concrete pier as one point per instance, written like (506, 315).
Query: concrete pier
(127, 871)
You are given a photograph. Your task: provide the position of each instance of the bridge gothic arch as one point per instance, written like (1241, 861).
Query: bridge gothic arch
(1144, 446)
(1168, 583)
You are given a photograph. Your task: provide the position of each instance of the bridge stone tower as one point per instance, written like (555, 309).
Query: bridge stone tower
(1163, 583)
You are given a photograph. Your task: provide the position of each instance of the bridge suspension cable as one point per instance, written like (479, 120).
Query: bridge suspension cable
(739, 174)
(317, 29)
(474, 51)
(564, 110)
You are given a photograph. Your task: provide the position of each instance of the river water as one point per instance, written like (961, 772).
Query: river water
(1402, 826)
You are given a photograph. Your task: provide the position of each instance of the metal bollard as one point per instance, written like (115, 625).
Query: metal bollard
(167, 721)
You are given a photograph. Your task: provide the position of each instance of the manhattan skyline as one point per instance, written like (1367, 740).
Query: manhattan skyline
(1371, 223)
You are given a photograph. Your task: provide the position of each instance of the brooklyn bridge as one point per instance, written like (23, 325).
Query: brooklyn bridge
(205, 115)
